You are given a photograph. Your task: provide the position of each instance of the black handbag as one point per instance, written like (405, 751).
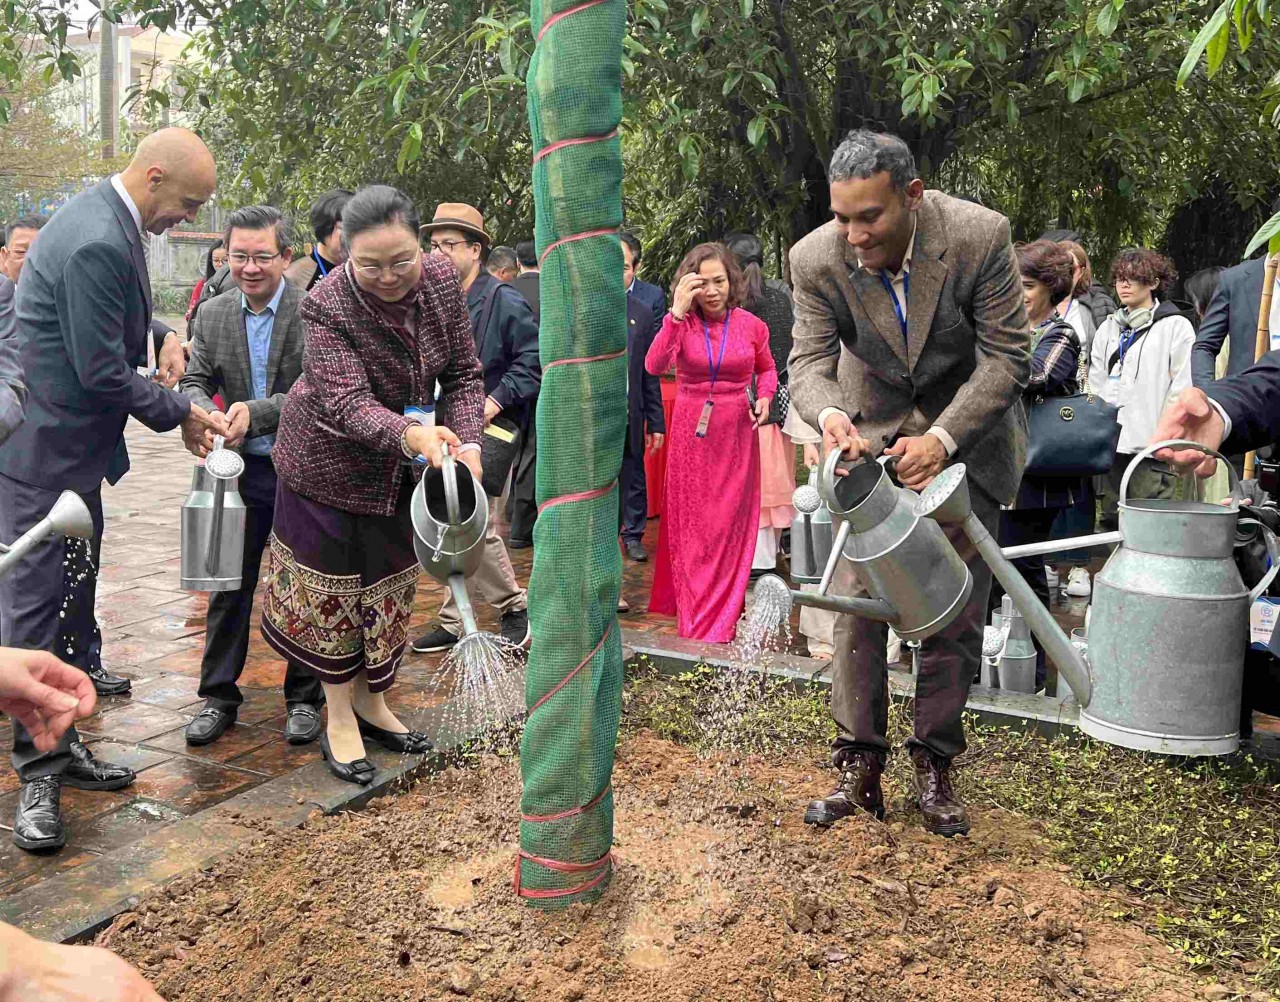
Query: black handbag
(781, 401)
(1073, 436)
(499, 446)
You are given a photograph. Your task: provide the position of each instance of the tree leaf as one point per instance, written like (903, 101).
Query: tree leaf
(755, 130)
(748, 6)
(1242, 17)
(1075, 89)
(1108, 18)
(766, 82)
(332, 28)
(730, 82)
(1212, 27)
(700, 18)
(1216, 51)
(1268, 234)
(505, 58)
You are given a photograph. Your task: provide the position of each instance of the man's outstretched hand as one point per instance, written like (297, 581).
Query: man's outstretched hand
(1192, 418)
(199, 429)
(44, 694)
(34, 971)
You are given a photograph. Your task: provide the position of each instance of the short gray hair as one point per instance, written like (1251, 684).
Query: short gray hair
(259, 217)
(863, 154)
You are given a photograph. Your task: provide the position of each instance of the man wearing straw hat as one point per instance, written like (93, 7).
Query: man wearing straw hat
(506, 337)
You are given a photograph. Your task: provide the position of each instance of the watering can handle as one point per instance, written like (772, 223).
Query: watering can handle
(449, 470)
(1236, 493)
(827, 480)
(218, 443)
(1273, 553)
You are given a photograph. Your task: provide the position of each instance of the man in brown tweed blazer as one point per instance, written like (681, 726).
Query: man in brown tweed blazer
(910, 340)
(246, 344)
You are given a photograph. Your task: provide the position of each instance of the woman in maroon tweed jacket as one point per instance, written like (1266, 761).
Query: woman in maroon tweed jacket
(341, 571)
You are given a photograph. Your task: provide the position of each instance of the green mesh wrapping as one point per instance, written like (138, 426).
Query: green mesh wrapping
(566, 753)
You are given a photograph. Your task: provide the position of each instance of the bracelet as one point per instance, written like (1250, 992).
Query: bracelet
(404, 442)
(678, 318)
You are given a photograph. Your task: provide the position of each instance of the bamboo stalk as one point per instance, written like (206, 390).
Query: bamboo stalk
(1263, 342)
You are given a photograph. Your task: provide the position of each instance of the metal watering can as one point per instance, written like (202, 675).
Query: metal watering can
(450, 516)
(1169, 623)
(811, 533)
(917, 581)
(213, 523)
(69, 516)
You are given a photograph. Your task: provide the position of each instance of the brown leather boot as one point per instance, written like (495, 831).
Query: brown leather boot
(859, 787)
(943, 813)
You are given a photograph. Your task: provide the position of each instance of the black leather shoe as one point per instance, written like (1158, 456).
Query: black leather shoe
(86, 773)
(106, 684)
(943, 813)
(209, 725)
(514, 627)
(859, 787)
(519, 544)
(38, 822)
(360, 771)
(636, 551)
(410, 743)
(302, 724)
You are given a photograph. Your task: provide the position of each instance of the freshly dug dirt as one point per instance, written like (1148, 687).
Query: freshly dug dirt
(718, 896)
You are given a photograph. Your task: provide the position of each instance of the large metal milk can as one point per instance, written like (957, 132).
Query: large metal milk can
(1170, 625)
(811, 533)
(899, 557)
(213, 523)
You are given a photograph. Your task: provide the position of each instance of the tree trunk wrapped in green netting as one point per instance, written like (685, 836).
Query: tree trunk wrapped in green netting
(574, 680)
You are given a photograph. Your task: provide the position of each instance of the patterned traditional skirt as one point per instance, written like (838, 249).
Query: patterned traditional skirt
(339, 588)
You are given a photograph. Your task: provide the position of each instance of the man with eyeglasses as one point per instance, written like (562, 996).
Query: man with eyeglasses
(506, 337)
(247, 345)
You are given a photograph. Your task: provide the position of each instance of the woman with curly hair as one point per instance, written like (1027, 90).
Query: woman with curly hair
(708, 533)
(1141, 361)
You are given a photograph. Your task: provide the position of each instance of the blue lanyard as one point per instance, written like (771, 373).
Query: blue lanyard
(320, 263)
(893, 298)
(724, 339)
(1127, 338)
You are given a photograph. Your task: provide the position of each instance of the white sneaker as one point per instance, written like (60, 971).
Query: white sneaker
(1078, 583)
(1051, 573)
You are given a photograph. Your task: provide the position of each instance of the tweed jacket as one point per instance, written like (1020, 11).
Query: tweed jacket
(220, 358)
(966, 357)
(339, 439)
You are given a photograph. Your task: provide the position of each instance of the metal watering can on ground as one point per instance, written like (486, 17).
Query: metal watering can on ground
(811, 533)
(213, 523)
(450, 516)
(1169, 622)
(917, 581)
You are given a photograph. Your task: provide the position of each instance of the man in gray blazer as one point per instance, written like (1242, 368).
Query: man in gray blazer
(84, 313)
(1232, 314)
(910, 340)
(246, 344)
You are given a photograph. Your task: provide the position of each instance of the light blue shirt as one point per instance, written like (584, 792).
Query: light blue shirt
(258, 328)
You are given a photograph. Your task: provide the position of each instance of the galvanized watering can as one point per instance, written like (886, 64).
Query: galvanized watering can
(916, 580)
(69, 516)
(1169, 623)
(811, 533)
(450, 516)
(213, 522)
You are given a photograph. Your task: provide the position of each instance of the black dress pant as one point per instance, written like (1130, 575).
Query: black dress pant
(230, 616)
(46, 604)
(522, 504)
(633, 496)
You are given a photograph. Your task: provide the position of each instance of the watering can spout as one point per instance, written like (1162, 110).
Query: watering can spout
(946, 501)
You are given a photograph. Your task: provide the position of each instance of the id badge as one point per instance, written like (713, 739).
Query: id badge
(1262, 622)
(701, 430)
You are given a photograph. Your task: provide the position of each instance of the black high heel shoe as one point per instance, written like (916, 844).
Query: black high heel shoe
(410, 743)
(360, 771)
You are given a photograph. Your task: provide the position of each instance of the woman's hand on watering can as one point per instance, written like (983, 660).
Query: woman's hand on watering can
(471, 460)
(838, 433)
(1192, 418)
(426, 442)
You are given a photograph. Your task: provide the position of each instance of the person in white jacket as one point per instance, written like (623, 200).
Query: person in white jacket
(1141, 361)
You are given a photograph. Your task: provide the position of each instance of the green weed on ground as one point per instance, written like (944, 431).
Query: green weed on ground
(1196, 841)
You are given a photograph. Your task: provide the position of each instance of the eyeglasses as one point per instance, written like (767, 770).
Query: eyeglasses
(448, 245)
(399, 269)
(261, 260)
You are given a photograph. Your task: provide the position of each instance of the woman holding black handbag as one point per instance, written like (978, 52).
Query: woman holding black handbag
(1056, 362)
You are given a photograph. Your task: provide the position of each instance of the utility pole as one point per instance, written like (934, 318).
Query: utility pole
(107, 87)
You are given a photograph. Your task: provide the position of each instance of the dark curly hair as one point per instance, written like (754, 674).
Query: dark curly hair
(1048, 263)
(1139, 264)
(705, 252)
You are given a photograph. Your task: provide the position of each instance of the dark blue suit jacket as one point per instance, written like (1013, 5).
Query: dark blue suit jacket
(84, 315)
(507, 345)
(644, 392)
(1232, 313)
(1252, 400)
(652, 297)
